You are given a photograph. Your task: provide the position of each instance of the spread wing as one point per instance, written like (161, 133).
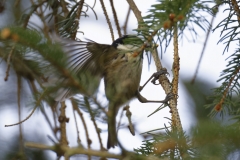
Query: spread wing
(86, 61)
(88, 56)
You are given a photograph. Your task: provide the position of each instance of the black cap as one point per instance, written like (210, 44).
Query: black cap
(119, 41)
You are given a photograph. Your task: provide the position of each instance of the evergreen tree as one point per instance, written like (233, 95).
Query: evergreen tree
(36, 52)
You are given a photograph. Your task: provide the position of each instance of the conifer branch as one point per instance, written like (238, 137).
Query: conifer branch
(236, 9)
(176, 67)
(218, 107)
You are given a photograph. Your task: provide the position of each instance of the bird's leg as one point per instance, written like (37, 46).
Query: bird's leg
(144, 100)
(155, 76)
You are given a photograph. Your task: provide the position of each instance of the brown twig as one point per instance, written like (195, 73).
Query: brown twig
(119, 122)
(64, 7)
(74, 150)
(107, 19)
(62, 119)
(76, 124)
(219, 105)
(24, 119)
(176, 122)
(126, 21)
(37, 104)
(78, 15)
(135, 10)
(21, 148)
(35, 7)
(33, 87)
(204, 47)
(49, 123)
(74, 104)
(236, 9)
(116, 18)
(8, 63)
(42, 17)
(77, 150)
(94, 122)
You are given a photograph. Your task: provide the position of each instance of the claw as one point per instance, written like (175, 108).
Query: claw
(169, 97)
(155, 77)
(158, 74)
(165, 101)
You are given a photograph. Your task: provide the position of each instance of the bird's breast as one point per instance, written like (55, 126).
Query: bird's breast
(122, 77)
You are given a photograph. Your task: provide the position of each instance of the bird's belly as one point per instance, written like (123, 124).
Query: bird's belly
(122, 80)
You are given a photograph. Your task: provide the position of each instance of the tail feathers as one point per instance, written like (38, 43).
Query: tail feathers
(112, 134)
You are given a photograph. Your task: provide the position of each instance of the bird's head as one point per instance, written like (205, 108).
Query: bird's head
(128, 43)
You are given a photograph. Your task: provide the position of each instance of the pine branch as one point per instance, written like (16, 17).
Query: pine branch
(176, 122)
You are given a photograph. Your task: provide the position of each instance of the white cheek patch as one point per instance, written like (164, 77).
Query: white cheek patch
(127, 47)
(128, 51)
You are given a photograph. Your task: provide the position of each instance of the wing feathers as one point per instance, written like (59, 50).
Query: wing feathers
(86, 60)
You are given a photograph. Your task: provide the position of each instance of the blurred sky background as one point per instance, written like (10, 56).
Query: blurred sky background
(213, 63)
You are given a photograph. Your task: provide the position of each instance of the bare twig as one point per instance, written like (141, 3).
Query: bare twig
(24, 119)
(107, 18)
(79, 10)
(21, 148)
(63, 120)
(94, 122)
(204, 47)
(135, 10)
(126, 21)
(37, 104)
(35, 7)
(53, 128)
(64, 7)
(119, 122)
(77, 150)
(116, 18)
(8, 63)
(42, 17)
(74, 150)
(76, 124)
(176, 122)
(74, 104)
